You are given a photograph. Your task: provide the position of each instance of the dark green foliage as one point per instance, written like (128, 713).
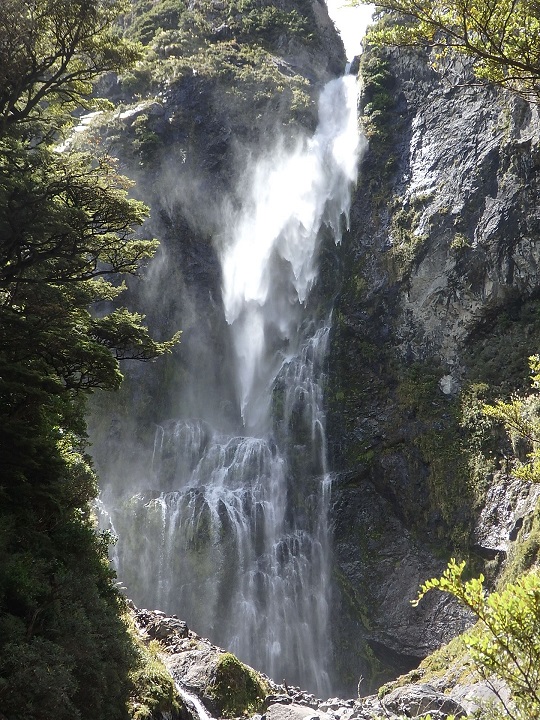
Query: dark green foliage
(66, 235)
(51, 51)
(243, 20)
(147, 18)
(64, 650)
(501, 38)
(231, 48)
(252, 21)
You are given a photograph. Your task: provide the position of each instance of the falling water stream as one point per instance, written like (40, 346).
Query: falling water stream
(241, 545)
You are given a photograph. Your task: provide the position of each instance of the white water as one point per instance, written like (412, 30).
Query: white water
(241, 547)
(193, 700)
(271, 264)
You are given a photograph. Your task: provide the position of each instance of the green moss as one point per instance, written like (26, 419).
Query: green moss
(377, 98)
(153, 687)
(459, 242)
(236, 689)
(407, 239)
(456, 443)
(365, 660)
(438, 439)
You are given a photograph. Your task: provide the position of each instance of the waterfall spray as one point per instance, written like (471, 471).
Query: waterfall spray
(241, 546)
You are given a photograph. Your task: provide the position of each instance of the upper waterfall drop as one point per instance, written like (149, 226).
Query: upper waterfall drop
(270, 264)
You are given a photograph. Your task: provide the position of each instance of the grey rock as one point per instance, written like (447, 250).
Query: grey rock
(415, 701)
(282, 699)
(293, 711)
(508, 502)
(163, 628)
(475, 695)
(465, 165)
(193, 668)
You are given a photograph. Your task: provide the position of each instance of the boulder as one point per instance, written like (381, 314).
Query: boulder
(278, 711)
(415, 701)
(162, 628)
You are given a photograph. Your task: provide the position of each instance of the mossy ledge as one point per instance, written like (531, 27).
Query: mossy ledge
(235, 688)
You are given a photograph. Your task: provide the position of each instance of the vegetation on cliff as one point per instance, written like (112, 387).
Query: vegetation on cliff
(501, 38)
(234, 46)
(505, 643)
(67, 235)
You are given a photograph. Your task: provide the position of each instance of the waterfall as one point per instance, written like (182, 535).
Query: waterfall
(240, 548)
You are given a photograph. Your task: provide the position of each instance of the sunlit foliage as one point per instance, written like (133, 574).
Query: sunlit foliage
(506, 641)
(502, 37)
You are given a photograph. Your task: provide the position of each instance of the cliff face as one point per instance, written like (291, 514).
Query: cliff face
(437, 314)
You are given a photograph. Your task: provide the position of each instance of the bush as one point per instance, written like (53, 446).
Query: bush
(506, 641)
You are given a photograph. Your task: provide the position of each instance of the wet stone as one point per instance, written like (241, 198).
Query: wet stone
(281, 699)
(163, 628)
(419, 700)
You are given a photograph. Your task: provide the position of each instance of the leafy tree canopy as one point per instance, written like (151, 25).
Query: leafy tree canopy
(67, 235)
(501, 36)
(51, 52)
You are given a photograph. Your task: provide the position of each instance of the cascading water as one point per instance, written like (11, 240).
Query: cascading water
(241, 548)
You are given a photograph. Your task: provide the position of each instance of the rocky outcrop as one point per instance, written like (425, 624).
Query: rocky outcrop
(418, 700)
(194, 664)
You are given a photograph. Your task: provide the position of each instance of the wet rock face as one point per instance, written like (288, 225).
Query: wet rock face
(444, 240)
(473, 170)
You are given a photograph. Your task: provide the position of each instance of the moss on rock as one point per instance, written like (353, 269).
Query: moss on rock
(154, 693)
(235, 688)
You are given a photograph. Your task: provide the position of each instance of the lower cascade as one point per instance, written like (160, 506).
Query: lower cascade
(235, 536)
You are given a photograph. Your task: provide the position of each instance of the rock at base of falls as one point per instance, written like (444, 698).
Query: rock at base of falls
(224, 687)
(417, 700)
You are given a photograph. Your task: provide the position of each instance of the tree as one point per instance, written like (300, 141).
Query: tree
(67, 236)
(502, 37)
(50, 54)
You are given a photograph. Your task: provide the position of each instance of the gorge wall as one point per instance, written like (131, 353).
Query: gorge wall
(437, 313)
(434, 295)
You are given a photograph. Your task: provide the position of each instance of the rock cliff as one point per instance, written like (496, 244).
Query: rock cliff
(437, 313)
